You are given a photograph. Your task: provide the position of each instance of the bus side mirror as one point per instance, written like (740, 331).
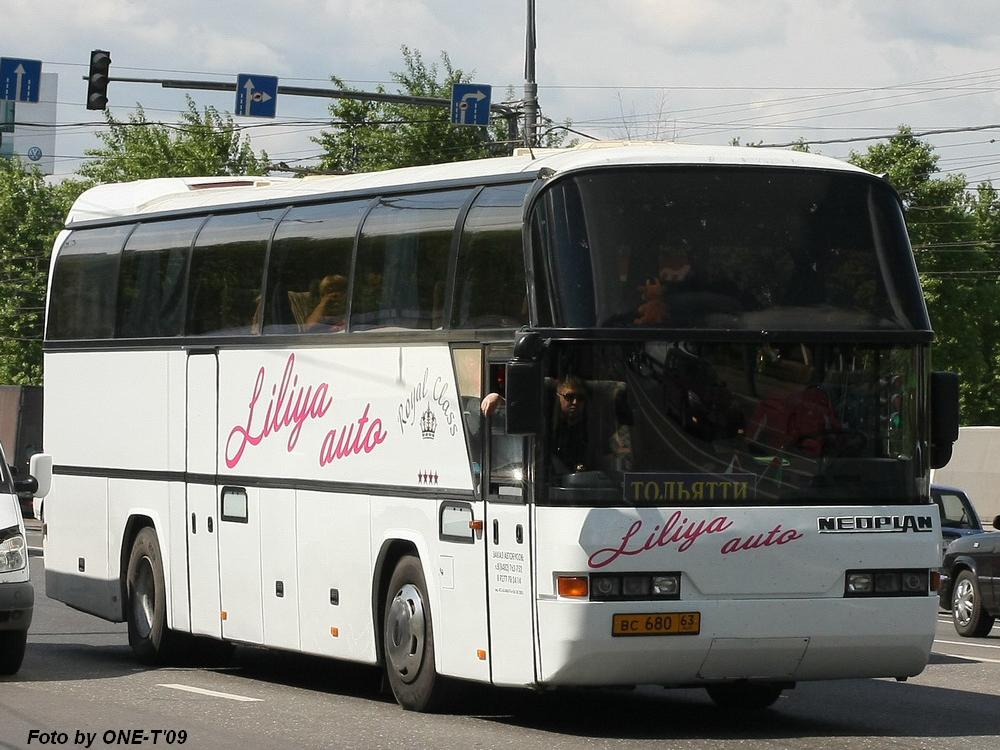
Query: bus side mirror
(944, 417)
(40, 468)
(524, 397)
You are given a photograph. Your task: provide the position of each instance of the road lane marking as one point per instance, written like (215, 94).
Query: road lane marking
(966, 643)
(968, 658)
(212, 693)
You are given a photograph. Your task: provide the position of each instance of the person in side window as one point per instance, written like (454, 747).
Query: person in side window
(330, 311)
(571, 443)
(584, 436)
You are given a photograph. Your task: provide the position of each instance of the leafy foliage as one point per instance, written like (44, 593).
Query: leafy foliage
(954, 236)
(373, 135)
(204, 143)
(31, 214)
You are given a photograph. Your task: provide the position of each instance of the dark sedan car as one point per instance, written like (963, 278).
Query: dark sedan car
(970, 582)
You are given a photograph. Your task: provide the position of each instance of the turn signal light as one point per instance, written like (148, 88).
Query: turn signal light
(572, 586)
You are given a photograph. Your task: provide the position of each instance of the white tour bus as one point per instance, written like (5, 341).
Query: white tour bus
(709, 467)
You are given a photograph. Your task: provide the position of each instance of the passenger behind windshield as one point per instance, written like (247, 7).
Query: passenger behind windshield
(589, 425)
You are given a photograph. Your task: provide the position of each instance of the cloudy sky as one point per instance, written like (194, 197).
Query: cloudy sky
(698, 71)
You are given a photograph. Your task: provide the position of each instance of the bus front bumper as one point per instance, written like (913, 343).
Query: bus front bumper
(784, 640)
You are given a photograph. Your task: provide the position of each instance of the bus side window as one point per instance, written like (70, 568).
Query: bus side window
(403, 261)
(151, 283)
(311, 250)
(489, 283)
(80, 306)
(224, 295)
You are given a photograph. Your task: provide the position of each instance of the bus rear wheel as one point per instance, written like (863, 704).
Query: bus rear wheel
(146, 600)
(744, 696)
(408, 640)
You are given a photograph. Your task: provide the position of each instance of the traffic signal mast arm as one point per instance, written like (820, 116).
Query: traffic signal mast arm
(508, 113)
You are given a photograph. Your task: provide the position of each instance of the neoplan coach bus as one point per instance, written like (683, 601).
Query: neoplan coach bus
(263, 405)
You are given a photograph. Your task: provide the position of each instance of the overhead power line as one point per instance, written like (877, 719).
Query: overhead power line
(856, 139)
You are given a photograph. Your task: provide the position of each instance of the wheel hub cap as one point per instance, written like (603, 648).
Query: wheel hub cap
(963, 602)
(143, 598)
(405, 628)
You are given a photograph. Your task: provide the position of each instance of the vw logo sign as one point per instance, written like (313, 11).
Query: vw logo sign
(34, 153)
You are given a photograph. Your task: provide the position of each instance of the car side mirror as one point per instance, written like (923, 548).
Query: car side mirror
(944, 417)
(996, 523)
(40, 469)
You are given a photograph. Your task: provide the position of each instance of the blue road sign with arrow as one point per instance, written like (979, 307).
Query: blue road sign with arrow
(470, 104)
(20, 79)
(256, 95)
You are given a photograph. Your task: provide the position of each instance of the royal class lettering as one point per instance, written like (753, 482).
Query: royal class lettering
(677, 530)
(437, 394)
(290, 405)
(874, 524)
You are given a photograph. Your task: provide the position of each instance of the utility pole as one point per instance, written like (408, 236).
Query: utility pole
(530, 87)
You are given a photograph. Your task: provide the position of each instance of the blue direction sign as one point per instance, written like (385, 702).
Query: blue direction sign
(470, 104)
(20, 79)
(256, 95)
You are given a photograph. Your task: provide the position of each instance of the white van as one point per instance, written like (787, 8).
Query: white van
(17, 597)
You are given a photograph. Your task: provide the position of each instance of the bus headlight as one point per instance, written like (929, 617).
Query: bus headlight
(887, 583)
(13, 555)
(634, 586)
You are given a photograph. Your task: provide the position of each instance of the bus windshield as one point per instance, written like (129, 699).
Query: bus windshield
(726, 248)
(716, 424)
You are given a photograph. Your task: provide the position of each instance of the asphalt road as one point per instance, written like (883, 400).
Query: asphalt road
(79, 678)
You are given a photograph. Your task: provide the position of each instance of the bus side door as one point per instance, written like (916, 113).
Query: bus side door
(201, 517)
(510, 577)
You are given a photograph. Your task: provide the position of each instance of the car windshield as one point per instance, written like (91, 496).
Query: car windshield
(698, 423)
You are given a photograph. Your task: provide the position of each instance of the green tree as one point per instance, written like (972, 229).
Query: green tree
(203, 143)
(371, 135)
(953, 236)
(31, 214)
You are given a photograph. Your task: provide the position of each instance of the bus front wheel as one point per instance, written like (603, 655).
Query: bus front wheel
(146, 600)
(744, 696)
(408, 639)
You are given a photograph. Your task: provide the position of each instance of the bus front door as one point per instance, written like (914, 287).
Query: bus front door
(201, 516)
(510, 579)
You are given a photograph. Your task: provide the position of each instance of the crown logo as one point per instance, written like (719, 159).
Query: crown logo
(428, 424)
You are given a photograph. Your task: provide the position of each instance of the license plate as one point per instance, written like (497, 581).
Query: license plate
(656, 623)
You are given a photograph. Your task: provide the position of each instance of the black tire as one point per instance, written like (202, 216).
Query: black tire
(408, 640)
(12, 645)
(146, 601)
(971, 621)
(744, 696)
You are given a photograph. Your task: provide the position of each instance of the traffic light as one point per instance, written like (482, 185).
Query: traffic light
(97, 79)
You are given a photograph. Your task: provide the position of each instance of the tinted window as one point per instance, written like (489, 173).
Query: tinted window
(81, 300)
(310, 267)
(151, 283)
(226, 274)
(953, 511)
(489, 283)
(730, 248)
(403, 261)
